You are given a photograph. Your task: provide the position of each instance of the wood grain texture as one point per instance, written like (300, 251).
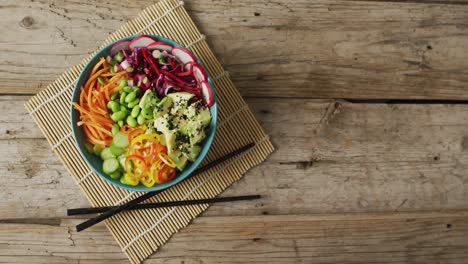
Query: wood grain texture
(408, 238)
(331, 157)
(320, 49)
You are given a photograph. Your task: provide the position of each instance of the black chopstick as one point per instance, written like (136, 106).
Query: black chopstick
(94, 210)
(88, 223)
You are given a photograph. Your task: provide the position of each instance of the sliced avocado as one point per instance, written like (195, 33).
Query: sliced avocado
(196, 138)
(163, 107)
(204, 116)
(170, 141)
(180, 164)
(196, 131)
(191, 111)
(194, 127)
(181, 96)
(175, 120)
(178, 97)
(149, 99)
(193, 153)
(180, 123)
(162, 139)
(182, 126)
(180, 101)
(162, 123)
(179, 159)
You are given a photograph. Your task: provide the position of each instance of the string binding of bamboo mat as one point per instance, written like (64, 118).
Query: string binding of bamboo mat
(141, 232)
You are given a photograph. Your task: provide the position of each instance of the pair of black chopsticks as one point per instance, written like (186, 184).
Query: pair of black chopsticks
(135, 203)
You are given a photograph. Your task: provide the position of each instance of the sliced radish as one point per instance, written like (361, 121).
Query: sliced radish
(141, 41)
(183, 55)
(199, 73)
(188, 66)
(159, 46)
(121, 45)
(207, 94)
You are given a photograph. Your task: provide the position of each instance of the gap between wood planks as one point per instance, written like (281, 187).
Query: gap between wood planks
(58, 221)
(348, 100)
(444, 2)
(373, 100)
(405, 101)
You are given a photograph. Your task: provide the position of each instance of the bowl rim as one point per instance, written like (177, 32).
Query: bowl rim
(207, 141)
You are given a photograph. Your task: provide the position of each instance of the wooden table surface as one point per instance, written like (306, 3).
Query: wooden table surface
(355, 178)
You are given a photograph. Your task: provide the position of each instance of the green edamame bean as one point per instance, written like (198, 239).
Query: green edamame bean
(123, 83)
(137, 90)
(117, 116)
(130, 97)
(114, 106)
(115, 129)
(135, 111)
(141, 119)
(133, 103)
(131, 122)
(114, 96)
(147, 112)
(122, 97)
(128, 89)
(123, 108)
(120, 123)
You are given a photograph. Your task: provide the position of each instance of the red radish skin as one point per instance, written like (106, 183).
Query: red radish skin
(207, 94)
(183, 55)
(188, 66)
(141, 41)
(159, 46)
(121, 45)
(199, 73)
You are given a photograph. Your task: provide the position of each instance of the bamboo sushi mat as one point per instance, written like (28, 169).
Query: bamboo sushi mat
(140, 233)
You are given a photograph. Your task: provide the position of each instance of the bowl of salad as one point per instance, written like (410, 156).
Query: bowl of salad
(144, 113)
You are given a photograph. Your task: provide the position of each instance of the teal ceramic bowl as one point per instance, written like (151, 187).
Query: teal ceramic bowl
(96, 163)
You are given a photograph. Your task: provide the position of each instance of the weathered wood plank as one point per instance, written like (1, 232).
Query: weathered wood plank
(320, 49)
(15, 121)
(331, 157)
(410, 238)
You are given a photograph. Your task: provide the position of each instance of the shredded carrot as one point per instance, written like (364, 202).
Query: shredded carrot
(96, 67)
(106, 93)
(82, 93)
(115, 89)
(98, 128)
(118, 77)
(94, 116)
(95, 76)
